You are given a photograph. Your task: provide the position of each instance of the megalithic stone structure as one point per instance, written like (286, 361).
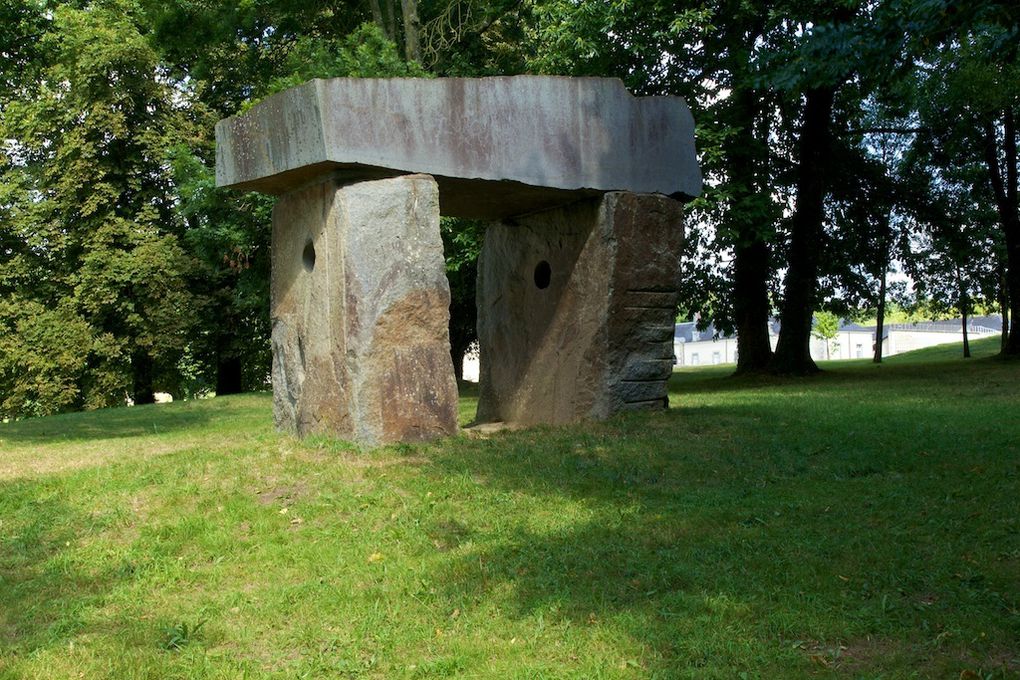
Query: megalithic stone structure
(584, 186)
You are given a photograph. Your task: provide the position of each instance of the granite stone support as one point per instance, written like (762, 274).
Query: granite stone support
(576, 307)
(360, 312)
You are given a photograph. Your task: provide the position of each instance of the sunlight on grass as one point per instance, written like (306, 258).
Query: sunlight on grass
(863, 523)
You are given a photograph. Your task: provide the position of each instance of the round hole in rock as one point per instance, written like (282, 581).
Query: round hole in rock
(543, 274)
(308, 256)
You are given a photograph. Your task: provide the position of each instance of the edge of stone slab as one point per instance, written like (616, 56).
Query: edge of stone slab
(689, 181)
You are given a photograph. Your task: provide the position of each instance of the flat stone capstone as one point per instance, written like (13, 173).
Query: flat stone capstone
(497, 147)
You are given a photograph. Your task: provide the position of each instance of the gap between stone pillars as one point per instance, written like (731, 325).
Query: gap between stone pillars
(360, 312)
(576, 310)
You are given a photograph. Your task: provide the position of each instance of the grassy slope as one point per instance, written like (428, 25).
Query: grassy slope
(864, 523)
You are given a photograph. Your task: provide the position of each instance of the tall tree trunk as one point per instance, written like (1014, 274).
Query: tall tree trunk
(141, 367)
(750, 251)
(412, 30)
(383, 15)
(793, 353)
(745, 167)
(457, 353)
(377, 15)
(884, 257)
(1003, 306)
(964, 307)
(880, 317)
(1005, 190)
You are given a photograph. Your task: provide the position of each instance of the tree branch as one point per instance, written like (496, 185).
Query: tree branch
(886, 131)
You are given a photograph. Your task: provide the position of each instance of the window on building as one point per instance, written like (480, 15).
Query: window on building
(860, 351)
(716, 358)
(695, 359)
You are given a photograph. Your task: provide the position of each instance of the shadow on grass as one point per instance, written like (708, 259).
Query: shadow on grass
(737, 538)
(45, 594)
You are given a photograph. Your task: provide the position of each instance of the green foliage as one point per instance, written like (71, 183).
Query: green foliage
(177, 635)
(86, 183)
(462, 242)
(826, 325)
(229, 235)
(43, 357)
(365, 53)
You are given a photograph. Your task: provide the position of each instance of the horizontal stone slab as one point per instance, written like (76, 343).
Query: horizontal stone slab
(498, 147)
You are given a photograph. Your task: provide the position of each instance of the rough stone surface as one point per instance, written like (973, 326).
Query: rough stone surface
(597, 339)
(360, 312)
(498, 147)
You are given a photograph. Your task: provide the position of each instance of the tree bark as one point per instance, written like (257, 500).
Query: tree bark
(793, 353)
(1005, 190)
(1003, 305)
(383, 16)
(883, 265)
(750, 251)
(880, 317)
(377, 15)
(141, 367)
(457, 353)
(412, 30)
(964, 307)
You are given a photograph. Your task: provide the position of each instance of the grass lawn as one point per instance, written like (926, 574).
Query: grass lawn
(862, 523)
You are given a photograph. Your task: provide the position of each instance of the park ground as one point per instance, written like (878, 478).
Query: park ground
(863, 523)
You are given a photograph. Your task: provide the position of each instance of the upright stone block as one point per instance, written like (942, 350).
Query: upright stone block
(360, 312)
(576, 308)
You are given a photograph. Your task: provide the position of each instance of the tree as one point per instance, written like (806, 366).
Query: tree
(953, 243)
(88, 184)
(826, 327)
(966, 94)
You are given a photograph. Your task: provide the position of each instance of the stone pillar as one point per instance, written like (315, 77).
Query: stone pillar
(576, 309)
(360, 312)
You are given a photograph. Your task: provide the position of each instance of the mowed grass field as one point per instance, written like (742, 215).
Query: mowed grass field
(864, 523)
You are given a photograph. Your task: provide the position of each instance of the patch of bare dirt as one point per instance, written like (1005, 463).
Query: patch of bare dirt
(283, 494)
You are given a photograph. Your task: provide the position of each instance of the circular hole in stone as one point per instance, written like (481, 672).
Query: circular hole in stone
(543, 274)
(308, 256)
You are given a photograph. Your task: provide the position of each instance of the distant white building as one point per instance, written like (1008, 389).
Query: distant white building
(693, 347)
(708, 347)
(905, 337)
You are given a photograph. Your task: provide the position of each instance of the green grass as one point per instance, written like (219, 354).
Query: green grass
(861, 523)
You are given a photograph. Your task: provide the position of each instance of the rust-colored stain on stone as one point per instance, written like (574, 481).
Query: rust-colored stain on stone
(361, 339)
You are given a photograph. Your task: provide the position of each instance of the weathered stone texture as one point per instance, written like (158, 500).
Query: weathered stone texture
(360, 312)
(498, 146)
(598, 338)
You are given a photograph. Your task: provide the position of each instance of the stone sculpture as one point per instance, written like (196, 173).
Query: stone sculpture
(578, 275)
